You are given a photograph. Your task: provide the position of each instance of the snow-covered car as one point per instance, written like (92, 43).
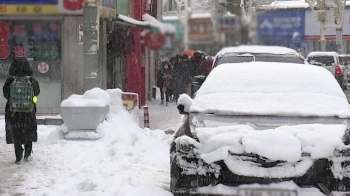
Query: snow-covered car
(263, 129)
(332, 62)
(243, 54)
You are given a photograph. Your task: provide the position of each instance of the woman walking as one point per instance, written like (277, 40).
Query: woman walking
(20, 90)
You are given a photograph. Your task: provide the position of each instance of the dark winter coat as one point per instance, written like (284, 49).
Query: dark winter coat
(167, 77)
(181, 77)
(20, 127)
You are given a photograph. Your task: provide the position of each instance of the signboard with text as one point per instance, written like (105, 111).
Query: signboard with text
(281, 23)
(200, 29)
(108, 8)
(41, 7)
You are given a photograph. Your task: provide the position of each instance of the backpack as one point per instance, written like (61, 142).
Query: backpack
(21, 95)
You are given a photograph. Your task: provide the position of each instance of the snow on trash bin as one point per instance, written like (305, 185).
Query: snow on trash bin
(83, 113)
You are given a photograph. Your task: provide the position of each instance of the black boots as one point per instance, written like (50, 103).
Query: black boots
(28, 151)
(19, 154)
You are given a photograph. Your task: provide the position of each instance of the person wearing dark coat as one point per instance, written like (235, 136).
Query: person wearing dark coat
(180, 77)
(186, 74)
(21, 127)
(166, 75)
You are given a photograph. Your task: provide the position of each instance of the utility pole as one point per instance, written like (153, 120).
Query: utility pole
(184, 14)
(90, 46)
(243, 10)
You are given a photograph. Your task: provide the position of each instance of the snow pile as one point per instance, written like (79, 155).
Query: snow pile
(92, 98)
(126, 161)
(257, 49)
(286, 143)
(271, 89)
(322, 54)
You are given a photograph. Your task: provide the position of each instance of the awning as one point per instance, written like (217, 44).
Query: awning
(149, 23)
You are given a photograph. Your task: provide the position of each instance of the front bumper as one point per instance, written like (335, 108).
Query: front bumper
(319, 173)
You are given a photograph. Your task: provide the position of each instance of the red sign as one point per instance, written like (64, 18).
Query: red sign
(154, 41)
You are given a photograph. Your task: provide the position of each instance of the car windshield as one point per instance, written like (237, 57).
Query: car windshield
(259, 58)
(321, 60)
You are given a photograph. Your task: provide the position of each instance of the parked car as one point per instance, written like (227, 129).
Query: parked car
(243, 54)
(263, 129)
(251, 53)
(345, 58)
(332, 62)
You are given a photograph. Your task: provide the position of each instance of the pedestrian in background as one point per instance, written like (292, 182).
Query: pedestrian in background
(166, 74)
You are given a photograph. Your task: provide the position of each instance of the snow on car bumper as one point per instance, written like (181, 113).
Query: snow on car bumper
(320, 172)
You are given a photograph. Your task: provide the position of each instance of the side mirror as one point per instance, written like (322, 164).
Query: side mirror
(184, 103)
(181, 109)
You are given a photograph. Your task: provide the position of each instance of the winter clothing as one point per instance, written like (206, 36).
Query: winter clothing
(21, 128)
(166, 75)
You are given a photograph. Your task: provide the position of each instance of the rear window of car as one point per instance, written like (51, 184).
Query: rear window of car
(345, 59)
(246, 59)
(321, 60)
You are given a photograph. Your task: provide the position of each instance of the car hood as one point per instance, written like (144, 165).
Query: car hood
(284, 143)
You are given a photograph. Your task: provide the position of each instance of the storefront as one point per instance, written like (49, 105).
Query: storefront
(41, 30)
(40, 40)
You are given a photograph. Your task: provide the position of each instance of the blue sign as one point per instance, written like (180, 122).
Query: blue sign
(110, 4)
(282, 23)
(29, 2)
(228, 22)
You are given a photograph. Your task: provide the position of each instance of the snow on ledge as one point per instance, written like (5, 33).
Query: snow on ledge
(163, 27)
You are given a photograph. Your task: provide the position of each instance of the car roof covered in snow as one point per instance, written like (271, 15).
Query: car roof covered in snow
(277, 89)
(322, 54)
(258, 50)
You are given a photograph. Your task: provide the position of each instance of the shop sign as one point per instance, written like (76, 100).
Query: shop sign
(28, 7)
(180, 28)
(281, 23)
(41, 7)
(200, 29)
(130, 100)
(123, 7)
(108, 8)
(81, 34)
(154, 41)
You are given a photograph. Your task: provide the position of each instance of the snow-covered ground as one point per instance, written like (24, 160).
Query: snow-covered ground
(126, 161)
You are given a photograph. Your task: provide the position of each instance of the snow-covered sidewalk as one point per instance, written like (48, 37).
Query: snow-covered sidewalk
(126, 161)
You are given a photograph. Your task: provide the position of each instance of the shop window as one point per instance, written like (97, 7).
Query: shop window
(38, 40)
